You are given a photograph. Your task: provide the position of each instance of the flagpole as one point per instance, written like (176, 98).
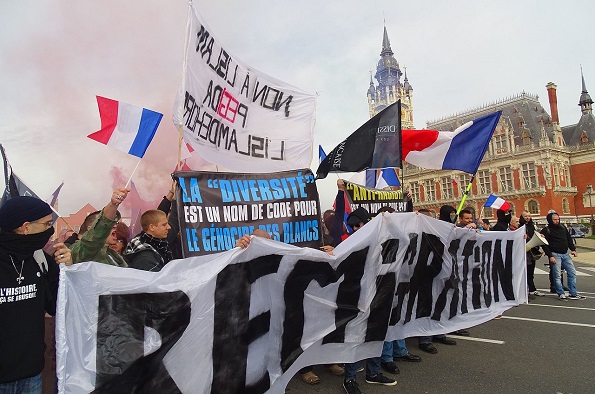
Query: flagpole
(465, 194)
(179, 147)
(131, 175)
(184, 72)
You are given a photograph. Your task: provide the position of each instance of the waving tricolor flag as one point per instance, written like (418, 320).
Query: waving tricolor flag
(321, 154)
(126, 127)
(388, 177)
(462, 149)
(496, 202)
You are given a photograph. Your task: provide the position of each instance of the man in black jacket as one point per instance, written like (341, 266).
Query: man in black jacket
(150, 250)
(560, 242)
(28, 288)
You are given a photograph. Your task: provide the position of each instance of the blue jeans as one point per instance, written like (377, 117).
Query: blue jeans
(30, 385)
(372, 368)
(563, 261)
(393, 349)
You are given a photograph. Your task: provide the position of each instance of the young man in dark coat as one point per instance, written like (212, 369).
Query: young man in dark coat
(560, 242)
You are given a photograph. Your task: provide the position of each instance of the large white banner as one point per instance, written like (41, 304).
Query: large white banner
(245, 321)
(238, 117)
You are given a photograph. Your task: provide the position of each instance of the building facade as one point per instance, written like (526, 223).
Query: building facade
(532, 162)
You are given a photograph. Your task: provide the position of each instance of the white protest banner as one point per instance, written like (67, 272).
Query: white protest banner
(237, 117)
(218, 208)
(245, 321)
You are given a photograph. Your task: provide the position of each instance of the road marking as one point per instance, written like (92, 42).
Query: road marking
(546, 292)
(478, 339)
(563, 307)
(564, 323)
(588, 268)
(539, 271)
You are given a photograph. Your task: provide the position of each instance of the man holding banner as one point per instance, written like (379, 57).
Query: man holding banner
(356, 220)
(28, 287)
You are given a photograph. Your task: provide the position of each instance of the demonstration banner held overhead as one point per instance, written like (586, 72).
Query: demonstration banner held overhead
(248, 319)
(373, 199)
(237, 117)
(217, 208)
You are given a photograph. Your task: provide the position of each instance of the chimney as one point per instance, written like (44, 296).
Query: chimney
(551, 93)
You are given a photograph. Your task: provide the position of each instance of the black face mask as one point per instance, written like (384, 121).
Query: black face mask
(21, 245)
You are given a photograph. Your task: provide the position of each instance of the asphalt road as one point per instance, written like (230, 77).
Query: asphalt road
(547, 346)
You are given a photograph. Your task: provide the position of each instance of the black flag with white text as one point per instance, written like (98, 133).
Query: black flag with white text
(376, 144)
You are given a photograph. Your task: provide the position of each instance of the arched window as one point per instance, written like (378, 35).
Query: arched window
(512, 209)
(488, 213)
(565, 206)
(533, 207)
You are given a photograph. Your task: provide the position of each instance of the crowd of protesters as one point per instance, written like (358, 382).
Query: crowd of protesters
(26, 226)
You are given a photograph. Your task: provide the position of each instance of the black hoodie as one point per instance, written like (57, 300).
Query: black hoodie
(558, 237)
(504, 218)
(445, 212)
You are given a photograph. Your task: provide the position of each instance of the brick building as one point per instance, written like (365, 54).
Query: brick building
(532, 161)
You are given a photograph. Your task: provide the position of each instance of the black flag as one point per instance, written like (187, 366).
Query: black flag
(14, 185)
(376, 144)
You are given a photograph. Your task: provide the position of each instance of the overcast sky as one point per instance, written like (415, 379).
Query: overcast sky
(57, 55)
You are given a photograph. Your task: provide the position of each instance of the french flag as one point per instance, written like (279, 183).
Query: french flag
(497, 203)
(126, 127)
(462, 149)
(321, 154)
(388, 177)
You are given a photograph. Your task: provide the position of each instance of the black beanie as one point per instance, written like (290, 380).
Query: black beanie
(19, 210)
(360, 215)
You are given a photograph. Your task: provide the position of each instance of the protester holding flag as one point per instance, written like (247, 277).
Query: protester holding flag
(94, 244)
(29, 283)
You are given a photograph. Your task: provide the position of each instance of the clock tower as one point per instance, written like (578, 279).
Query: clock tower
(390, 88)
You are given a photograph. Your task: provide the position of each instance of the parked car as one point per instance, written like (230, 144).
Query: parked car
(576, 232)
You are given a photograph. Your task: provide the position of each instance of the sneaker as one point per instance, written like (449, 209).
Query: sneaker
(537, 293)
(351, 387)
(576, 297)
(390, 367)
(562, 297)
(380, 379)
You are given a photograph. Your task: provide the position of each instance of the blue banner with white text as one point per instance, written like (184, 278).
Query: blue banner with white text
(215, 209)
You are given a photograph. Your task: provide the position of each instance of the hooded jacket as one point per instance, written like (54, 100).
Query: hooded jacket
(445, 212)
(504, 218)
(557, 236)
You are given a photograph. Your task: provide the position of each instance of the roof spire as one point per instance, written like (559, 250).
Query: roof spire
(386, 50)
(585, 101)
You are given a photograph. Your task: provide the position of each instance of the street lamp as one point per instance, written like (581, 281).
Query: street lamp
(589, 192)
